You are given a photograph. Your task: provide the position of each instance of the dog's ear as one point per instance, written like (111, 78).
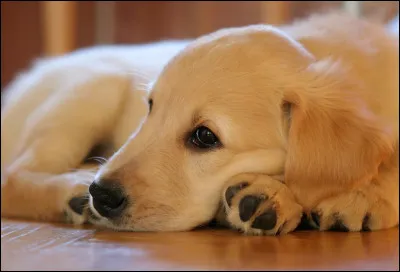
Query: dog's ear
(334, 139)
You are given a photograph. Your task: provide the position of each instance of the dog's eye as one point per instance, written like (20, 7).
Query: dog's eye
(203, 138)
(150, 104)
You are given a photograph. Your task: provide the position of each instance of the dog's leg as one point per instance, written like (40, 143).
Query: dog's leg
(261, 205)
(39, 184)
(371, 206)
(47, 197)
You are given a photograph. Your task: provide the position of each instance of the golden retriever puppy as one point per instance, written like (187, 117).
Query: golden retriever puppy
(254, 125)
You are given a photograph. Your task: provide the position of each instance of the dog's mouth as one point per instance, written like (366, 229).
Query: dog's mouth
(84, 206)
(95, 218)
(92, 216)
(116, 223)
(92, 212)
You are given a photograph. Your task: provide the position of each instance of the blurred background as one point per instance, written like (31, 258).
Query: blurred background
(34, 29)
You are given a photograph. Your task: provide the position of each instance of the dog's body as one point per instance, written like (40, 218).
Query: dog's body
(331, 153)
(133, 66)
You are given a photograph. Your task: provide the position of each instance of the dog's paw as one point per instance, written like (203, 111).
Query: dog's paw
(76, 209)
(354, 211)
(260, 205)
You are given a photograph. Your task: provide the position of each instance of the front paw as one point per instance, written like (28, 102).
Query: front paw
(261, 205)
(353, 211)
(76, 209)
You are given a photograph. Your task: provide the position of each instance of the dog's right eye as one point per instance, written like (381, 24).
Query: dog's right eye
(203, 138)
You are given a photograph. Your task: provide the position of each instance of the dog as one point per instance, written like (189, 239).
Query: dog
(257, 126)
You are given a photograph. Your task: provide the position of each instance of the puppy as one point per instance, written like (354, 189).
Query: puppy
(254, 125)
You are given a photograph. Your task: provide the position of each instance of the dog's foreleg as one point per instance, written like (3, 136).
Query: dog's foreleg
(39, 182)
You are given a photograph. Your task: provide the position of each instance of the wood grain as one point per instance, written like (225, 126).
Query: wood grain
(39, 246)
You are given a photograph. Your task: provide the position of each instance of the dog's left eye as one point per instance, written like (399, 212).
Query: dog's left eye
(204, 138)
(150, 105)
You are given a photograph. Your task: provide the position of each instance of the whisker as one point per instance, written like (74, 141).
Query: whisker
(100, 160)
(140, 74)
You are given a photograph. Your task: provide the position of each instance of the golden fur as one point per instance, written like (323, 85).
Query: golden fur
(307, 115)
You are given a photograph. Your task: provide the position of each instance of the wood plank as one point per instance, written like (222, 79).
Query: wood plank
(40, 246)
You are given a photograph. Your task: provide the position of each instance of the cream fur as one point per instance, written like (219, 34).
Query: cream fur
(336, 153)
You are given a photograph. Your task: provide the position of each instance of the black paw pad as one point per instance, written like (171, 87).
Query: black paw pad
(338, 226)
(316, 218)
(78, 203)
(265, 221)
(248, 206)
(233, 190)
(365, 223)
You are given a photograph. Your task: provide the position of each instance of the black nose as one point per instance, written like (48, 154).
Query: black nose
(108, 198)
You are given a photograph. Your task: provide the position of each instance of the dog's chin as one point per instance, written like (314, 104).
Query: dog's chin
(120, 223)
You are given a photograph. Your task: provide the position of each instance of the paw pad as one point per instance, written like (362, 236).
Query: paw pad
(233, 190)
(265, 221)
(248, 206)
(78, 203)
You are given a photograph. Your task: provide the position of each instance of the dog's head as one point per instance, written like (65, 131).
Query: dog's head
(241, 100)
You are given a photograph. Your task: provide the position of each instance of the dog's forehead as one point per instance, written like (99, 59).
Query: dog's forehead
(239, 46)
(232, 61)
(227, 72)
(217, 94)
(220, 88)
(232, 113)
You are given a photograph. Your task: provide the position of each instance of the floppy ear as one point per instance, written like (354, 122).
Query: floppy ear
(334, 139)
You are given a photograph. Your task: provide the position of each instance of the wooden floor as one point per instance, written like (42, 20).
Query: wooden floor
(36, 246)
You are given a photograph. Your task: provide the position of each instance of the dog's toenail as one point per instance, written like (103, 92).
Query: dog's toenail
(265, 221)
(248, 206)
(233, 190)
(316, 218)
